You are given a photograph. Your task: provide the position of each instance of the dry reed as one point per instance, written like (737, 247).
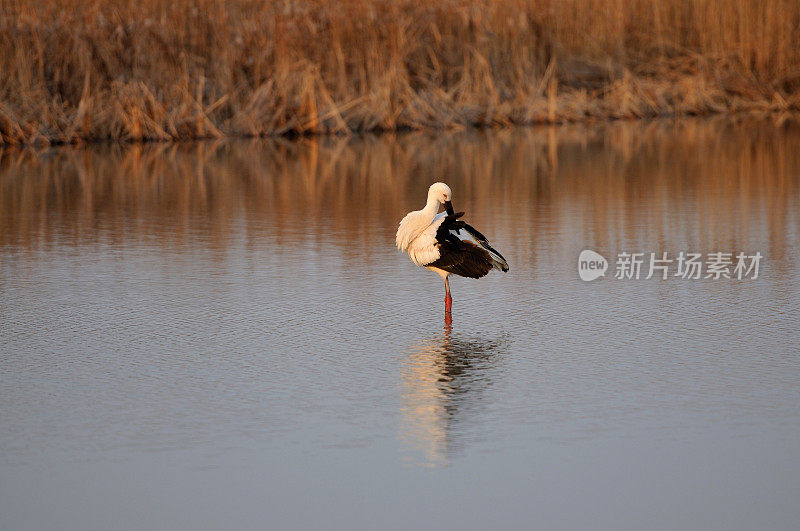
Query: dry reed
(173, 69)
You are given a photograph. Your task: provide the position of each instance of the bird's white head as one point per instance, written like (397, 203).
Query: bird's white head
(440, 192)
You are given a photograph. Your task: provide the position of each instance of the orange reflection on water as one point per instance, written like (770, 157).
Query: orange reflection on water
(693, 183)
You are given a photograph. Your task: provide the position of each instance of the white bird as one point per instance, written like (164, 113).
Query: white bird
(442, 243)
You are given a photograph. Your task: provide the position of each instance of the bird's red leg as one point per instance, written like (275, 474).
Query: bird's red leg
(448, 300)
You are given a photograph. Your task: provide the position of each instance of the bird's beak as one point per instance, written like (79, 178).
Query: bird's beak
(449, 207)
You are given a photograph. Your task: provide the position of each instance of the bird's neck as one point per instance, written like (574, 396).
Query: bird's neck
(431, 207)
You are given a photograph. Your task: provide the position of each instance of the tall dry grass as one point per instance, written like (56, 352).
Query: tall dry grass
(175, 69)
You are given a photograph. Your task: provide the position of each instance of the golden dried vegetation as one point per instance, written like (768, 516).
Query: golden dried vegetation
(83, 70)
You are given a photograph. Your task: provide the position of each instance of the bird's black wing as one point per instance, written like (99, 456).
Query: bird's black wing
(482, 239)
(457, 256)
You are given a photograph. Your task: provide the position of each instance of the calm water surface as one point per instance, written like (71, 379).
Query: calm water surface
(222, 335)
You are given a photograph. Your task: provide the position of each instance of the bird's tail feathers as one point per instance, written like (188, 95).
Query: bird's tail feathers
(498, 262)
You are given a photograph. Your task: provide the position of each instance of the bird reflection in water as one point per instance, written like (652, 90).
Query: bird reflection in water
(444, 378)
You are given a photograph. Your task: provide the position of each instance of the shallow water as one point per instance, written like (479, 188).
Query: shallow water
(222, 335)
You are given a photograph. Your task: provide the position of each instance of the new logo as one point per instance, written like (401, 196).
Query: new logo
(591, 265)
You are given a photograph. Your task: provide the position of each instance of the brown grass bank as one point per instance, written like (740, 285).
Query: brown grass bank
(74, 71)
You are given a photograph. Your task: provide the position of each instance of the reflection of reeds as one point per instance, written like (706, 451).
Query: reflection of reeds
(165, 69)
(617, 182)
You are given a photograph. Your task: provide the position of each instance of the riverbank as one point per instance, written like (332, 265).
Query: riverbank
(174, 70)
